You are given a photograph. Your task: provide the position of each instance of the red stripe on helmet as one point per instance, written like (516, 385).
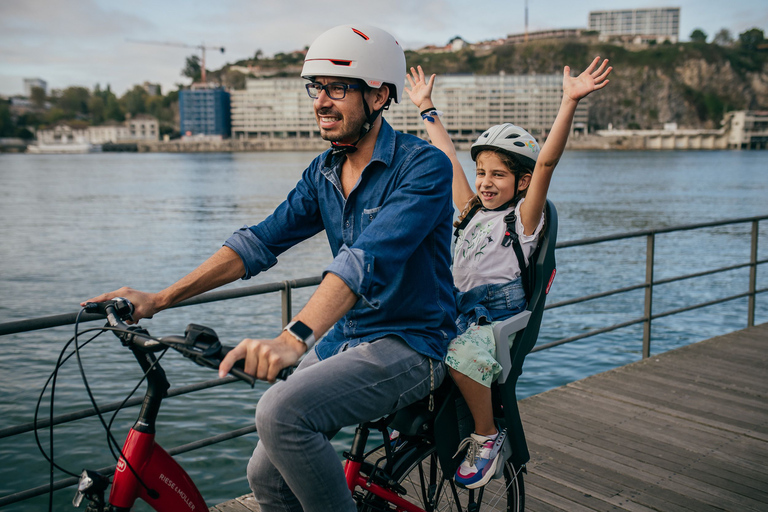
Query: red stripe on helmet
(360, 34)
(336, 62)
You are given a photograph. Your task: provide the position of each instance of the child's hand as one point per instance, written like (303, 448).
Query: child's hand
(421, 89)
(589, 80)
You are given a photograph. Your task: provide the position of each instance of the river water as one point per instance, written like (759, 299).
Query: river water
(72, 226)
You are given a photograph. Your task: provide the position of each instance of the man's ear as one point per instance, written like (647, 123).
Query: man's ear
(379, 97)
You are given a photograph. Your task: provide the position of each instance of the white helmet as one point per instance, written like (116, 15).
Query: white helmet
(358, 51)
(510, 139)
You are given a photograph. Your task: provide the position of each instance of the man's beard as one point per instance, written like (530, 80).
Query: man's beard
(350, 126)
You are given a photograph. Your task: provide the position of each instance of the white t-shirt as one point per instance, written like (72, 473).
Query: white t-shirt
(479, 258)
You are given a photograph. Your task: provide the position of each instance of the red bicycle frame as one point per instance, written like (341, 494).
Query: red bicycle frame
(355, 479)
(170, 487)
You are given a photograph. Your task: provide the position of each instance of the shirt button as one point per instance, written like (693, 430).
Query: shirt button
(346, 224)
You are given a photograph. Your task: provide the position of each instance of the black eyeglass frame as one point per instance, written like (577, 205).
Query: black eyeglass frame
(317, 87)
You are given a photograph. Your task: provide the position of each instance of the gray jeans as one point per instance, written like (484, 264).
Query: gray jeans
(294, 466)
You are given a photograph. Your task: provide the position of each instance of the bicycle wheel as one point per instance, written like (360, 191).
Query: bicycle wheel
(419, 474)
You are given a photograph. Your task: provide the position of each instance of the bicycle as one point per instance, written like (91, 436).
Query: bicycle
(414, 474)
(403, 478)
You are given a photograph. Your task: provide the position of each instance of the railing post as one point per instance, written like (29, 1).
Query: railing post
(752, 275)
(649, 255)
(285, 293)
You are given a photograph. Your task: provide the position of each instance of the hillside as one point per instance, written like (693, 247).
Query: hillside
(691, 84)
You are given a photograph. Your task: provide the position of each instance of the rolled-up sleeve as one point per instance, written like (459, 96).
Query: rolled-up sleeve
(255, 255)
(355, 268)
(294, 220)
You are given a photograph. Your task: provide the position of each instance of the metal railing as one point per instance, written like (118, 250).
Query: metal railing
(285, 288)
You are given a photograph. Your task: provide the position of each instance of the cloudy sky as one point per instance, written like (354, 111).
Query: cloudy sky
(89, 42)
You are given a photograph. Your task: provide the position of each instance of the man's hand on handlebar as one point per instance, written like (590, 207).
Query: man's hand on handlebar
(264, 358)
(144, 304)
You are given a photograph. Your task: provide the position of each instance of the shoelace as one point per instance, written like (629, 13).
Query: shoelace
(473, 452)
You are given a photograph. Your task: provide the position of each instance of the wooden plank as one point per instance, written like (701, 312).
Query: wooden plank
(651, 476)
(679, 432)
(246, 503)
(626, 490)
(670, 457)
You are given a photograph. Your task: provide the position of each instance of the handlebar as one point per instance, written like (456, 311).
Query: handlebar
(200, 344)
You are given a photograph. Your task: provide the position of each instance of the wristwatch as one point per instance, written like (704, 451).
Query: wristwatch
(301, 332)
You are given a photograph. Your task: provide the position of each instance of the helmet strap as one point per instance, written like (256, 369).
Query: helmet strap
(340, 148)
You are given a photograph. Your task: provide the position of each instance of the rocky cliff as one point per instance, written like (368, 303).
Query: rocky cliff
(691, 84)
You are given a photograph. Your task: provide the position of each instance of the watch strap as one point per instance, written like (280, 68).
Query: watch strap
(301, 332)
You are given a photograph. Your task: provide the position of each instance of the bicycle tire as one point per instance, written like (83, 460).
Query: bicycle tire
(435, 492)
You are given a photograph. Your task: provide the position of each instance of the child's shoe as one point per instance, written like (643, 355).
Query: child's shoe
(396, 441)
(481, 461)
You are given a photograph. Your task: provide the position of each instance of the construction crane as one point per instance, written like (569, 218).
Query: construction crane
(182, 45)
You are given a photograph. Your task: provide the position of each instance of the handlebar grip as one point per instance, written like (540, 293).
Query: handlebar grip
(237, 369)
(240, 374)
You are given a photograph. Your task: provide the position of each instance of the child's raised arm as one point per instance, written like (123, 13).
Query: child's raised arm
(420, 93)
(574, 89)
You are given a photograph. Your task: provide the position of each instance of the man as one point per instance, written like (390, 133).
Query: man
(384, 200)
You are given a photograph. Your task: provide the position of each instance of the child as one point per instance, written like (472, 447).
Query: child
(512, 176)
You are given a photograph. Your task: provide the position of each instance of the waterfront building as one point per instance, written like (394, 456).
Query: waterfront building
(472, 103)
(280, 107)
(273, 108)
(637, 25)
(560, 33)
(747, 129)
(152, 89)
(29, 83)
(139, 128)
(204, 112)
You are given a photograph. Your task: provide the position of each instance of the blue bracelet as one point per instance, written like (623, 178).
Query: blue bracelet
(427, 115)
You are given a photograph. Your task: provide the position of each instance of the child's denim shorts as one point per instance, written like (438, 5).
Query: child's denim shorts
(473, 352)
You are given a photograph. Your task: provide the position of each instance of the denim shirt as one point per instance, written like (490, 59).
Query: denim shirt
(390, 241)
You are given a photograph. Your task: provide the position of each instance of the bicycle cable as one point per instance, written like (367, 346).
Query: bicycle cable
(111, 441)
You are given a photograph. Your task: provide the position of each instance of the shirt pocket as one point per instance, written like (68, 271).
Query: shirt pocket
(369, 214)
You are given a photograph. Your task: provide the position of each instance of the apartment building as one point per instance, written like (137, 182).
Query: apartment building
(281, 108)
(472, 103)
(273, 108)
(204, 112)
(637, 25)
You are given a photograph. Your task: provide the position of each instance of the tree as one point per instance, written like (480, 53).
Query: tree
(192, 68)
(112, 108)
(698, 36)
(37, 96)
(135, 101)
(96, 107)
(723, 38)
(74, 101)
(750, 39)
(6, 121)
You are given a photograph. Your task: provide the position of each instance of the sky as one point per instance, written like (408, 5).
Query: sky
(90, 42)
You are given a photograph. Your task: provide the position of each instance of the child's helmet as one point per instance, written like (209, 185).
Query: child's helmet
(358, 51)
(509, 139)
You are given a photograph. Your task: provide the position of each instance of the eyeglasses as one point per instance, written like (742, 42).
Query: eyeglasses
(334, 90)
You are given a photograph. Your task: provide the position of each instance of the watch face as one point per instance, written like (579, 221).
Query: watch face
(301, 330)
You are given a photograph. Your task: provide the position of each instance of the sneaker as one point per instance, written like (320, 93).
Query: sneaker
(481, 461)
(395, 441)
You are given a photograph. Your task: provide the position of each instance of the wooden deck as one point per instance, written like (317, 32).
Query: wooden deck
(682, 431)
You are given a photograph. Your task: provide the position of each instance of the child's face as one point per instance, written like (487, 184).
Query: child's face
(494, 182)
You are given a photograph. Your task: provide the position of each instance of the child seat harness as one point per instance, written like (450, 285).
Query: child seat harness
(510, 238)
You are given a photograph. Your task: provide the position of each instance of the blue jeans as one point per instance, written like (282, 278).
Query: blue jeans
(294, 466)
(489, 303)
